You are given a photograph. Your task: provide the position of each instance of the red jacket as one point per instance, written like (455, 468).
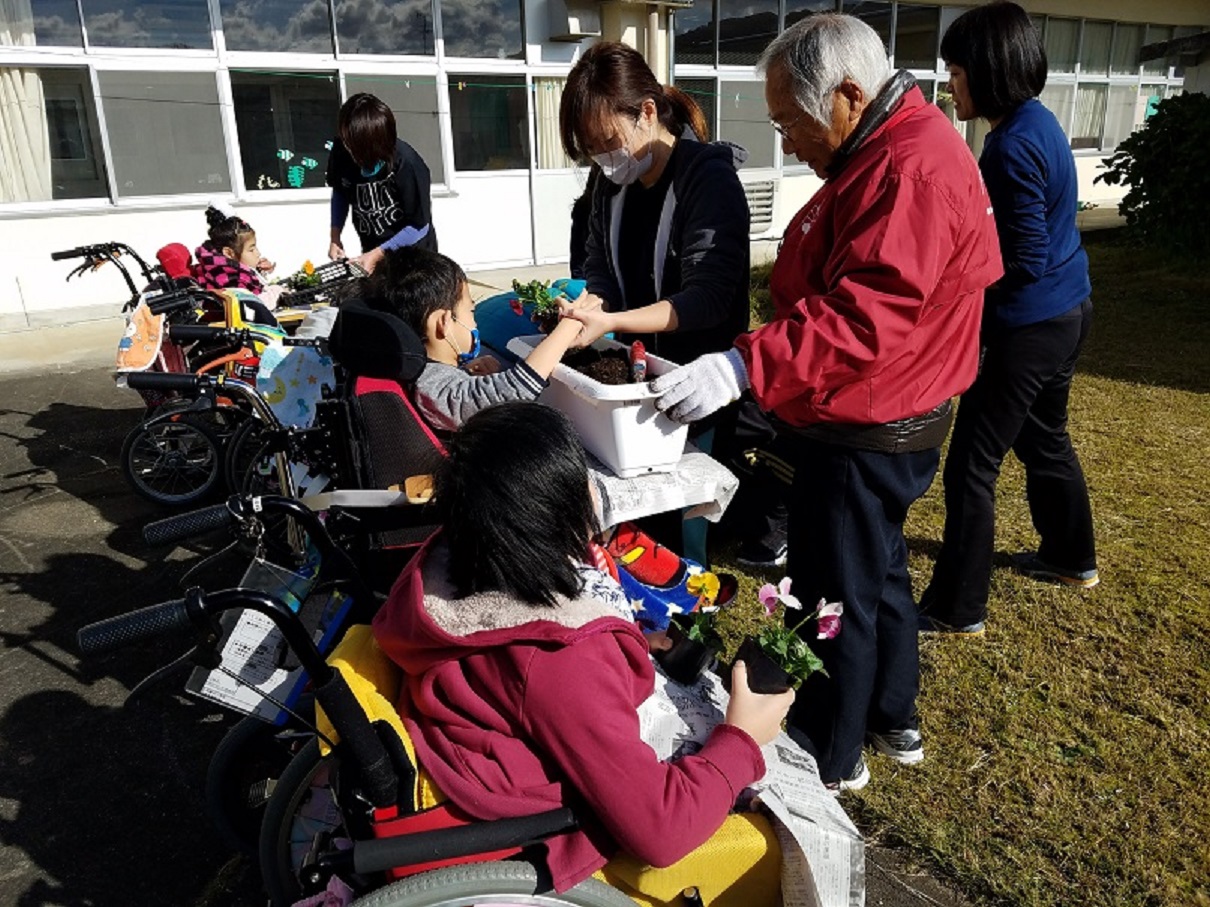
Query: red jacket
(878, 286)
(515, 709)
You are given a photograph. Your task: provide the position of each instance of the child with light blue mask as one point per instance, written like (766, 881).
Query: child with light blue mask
(430, 293)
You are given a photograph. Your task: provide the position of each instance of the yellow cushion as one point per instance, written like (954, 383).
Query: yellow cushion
(739, 866)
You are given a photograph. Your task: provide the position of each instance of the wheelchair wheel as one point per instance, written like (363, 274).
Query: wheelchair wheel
(176, 461)
(250, 467)
(487, 883)
(302, 816)
(242, 774)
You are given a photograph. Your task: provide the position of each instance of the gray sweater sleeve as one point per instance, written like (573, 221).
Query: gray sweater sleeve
(447, 396)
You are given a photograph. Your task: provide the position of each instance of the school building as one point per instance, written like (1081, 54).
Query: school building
(119, 119)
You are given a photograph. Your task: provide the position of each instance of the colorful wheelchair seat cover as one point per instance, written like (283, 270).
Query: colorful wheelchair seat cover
(293, 380)
(658, 582)
(139, 348)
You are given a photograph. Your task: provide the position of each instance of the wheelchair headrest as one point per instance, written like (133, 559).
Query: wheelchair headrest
(376, 344)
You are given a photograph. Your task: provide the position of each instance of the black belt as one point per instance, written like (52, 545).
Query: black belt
(910, 435)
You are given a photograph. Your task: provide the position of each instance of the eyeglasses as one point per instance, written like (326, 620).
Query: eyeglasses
(784, 131)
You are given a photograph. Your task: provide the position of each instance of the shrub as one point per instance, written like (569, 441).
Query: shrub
(1166, 164)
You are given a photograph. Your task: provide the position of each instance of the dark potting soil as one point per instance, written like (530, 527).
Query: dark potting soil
(605, 366)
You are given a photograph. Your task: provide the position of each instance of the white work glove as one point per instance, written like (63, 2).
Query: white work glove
(704, 386)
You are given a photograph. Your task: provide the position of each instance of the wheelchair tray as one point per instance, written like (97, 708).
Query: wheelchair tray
(252, 649)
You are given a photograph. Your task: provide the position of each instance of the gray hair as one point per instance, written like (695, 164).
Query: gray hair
(821, 51)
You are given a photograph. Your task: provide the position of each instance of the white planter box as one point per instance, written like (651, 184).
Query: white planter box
(619, 423)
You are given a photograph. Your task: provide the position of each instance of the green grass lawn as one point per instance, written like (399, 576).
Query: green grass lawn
(1069, 750)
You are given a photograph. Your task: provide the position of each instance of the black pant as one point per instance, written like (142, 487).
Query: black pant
(1018, 403)
(846, 544)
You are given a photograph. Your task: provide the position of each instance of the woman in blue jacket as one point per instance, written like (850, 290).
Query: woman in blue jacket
(1035, 321)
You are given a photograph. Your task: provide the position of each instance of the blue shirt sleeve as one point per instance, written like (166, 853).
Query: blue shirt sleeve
(340, 209)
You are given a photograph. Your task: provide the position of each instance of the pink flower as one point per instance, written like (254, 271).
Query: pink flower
(516, 306)
(770, 595)
(828, 619)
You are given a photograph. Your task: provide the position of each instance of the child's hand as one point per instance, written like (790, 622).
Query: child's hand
(658, 641)
(265, 266)
(596, 321)
(760, 716)
(484, 365)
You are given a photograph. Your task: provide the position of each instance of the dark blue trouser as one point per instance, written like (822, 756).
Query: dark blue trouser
(1018, 403)
(847, 509)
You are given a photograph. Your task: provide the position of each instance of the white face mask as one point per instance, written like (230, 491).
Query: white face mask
(621, 167)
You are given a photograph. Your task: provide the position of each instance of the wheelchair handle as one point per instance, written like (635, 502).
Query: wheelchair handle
(165, 381)
(190, 332)
(137, 626)
(78, 252)
(187, 525)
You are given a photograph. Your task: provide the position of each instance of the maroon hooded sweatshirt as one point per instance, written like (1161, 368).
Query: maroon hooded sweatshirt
(515, 709)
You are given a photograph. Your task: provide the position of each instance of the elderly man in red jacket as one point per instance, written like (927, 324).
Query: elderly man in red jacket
(877, 293)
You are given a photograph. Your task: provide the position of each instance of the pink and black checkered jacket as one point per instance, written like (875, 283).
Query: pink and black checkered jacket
(215, 271)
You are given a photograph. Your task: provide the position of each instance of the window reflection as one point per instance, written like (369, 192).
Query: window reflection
(916, 37)
(694, 41)
(744, 119)
(706, 96)
(180, 24)
(40, 23)
(379, 27)
(800, 9)
(745, 28)
(284, 124)
(277, 25)
(482, 28)
(165, 132)
(489, 122)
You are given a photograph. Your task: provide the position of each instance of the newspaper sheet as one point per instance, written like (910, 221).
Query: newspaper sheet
(823, 855)
(699, 482)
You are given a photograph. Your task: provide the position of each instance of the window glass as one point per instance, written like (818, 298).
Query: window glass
(800, 9)
(695, 33)
(414, 103)
(1094, 51)
(489, 122)
(57, 153)
(547, 94)
(1089, 120)
(875, 13)
(1149, 99)
(482, 28)
(744, 120)
(1181, 31)
(277, 25)
(926, 88)
(1062, 40)
(285, 123)
(745, 28)
(177, 24)
(165, 132)
(40, 23)
(1120, 113)
(704, 92)
(1059, 98)
(916, 37)
(1127, 39)
(385, 27)
(1155, 35)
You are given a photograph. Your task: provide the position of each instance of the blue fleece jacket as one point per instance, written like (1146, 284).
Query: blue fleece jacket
(1031, 178)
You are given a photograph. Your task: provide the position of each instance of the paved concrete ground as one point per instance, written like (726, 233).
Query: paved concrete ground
(102, 804)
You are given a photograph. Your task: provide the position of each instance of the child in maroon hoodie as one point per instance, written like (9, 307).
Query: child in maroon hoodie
(525, 673)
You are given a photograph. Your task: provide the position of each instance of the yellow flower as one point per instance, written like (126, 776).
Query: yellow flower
(704, 585)
(308, 268)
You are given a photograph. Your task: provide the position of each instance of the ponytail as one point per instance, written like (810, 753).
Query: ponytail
(227, 231)
(684, 111)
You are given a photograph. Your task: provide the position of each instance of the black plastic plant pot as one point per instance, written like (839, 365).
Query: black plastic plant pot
(764, 674)
(687, 658)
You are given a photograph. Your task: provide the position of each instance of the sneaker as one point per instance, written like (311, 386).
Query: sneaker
(859, 778)
(757, 554)
(927, 625)
(904, 746)
(1034, 567)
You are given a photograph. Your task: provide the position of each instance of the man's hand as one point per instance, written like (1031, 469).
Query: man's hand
(704, 386)
(368, 261)
(336, 251)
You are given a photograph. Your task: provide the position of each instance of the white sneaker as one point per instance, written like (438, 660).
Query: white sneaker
(856, 781)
